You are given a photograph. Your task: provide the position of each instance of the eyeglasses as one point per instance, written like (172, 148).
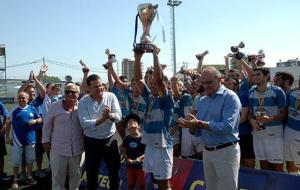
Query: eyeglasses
(70, 92)
(207, 82)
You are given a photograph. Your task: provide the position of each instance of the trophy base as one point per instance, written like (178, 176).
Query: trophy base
(144, 48)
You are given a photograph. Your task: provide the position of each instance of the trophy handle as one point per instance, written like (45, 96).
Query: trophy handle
(135, 30)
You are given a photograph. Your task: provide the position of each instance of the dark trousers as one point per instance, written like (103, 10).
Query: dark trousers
(95, 151)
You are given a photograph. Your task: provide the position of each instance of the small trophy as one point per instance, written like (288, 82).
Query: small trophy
(261, 54)
(146, 13)
(261, 112)
(201, 55)
(84, 67)
(111, 58)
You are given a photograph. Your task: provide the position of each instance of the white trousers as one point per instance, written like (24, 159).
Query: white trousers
(61, 166)
(221, 168)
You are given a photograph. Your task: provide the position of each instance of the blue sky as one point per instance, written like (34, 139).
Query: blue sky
(67, 31)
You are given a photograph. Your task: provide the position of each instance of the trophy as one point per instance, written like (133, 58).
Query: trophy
(146, 13)
(111, 58)
(84, 67)
(201, 55)
(260, 62)
(261, 112)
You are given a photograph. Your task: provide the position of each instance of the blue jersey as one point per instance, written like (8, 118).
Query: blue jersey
(138, 104)
(3, 113)
(38, 101)
(293, 100)
(244, 87)
(22, 133)
(38, 104)
(122, 95)
(274, 99)
(158, 120)
(245, 127)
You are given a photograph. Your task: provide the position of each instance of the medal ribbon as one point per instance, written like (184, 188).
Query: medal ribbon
(261, 100)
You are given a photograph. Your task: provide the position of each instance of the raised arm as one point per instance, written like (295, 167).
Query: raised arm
(200, 58)
(42, 73)
(109, 77)
(138, 71)
(85, 71)
(114, 74)
(158, 74)
(245, 68)
(226, 59)
(39, 86)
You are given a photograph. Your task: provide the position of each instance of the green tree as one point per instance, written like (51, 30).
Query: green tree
(53, 79)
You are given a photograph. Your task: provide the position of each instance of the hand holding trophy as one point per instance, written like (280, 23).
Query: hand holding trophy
(260, 114)
(85, 69)
(111, 58)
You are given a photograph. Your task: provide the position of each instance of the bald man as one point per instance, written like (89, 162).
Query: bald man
(24, 120)
(218, 116)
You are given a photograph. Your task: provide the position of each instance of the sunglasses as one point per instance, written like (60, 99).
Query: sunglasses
(70, 92)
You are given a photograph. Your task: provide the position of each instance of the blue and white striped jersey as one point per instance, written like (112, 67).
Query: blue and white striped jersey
(293, 99)
(158, 120)
(138, 104)
(273, 99)
(122, 95)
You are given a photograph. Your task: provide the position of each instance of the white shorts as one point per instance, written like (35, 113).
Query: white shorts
(159, 162)
(268, 144)
(292, 145)
(190, 144)
(17, 154)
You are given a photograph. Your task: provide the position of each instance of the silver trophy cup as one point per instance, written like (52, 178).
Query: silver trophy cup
(146, 13)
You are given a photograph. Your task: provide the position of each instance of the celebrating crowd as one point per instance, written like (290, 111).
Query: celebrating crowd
(229, 120)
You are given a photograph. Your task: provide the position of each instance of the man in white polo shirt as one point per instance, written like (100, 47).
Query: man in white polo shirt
(98, 113)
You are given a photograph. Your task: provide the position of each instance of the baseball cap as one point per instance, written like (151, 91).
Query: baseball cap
(132, 116)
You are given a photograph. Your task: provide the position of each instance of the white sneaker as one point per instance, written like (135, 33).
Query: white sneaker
(14, 185)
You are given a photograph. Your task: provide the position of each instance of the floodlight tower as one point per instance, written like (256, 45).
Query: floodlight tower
(3, 78)
(173, 4)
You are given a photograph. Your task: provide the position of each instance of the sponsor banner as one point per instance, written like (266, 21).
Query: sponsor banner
(188, 174)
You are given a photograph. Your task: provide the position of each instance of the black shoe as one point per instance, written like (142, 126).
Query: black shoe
(30, 180)
(23, 176)
(4, 177)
